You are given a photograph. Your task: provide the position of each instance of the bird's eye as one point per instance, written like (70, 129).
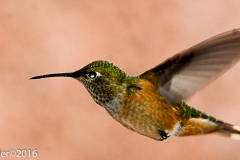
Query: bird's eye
(93, 75)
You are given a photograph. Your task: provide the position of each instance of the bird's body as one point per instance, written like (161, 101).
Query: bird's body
(145, 111)
(152, 103)
(139, 107)
(149, 113)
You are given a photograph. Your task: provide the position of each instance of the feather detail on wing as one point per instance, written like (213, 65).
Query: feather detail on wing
(189, 71)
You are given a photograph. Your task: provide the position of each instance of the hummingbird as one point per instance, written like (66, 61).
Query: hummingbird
(153, 103)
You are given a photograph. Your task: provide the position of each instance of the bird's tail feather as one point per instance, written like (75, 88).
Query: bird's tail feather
(231, 131)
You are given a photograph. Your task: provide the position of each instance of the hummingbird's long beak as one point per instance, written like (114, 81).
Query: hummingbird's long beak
(71, 74)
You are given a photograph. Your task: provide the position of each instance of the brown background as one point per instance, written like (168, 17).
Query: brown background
(58, 117)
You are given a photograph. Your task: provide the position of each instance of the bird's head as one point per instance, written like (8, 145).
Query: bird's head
(102, 79)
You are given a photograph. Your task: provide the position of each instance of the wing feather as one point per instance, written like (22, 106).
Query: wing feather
(189, 71)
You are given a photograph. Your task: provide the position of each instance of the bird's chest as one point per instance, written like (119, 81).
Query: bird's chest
(147, 116)
(144, 111)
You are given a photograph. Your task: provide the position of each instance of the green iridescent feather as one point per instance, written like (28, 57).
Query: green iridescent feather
(108, 69)
(188, 112)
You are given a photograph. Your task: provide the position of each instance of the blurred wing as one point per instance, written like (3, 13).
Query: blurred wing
(189, 71)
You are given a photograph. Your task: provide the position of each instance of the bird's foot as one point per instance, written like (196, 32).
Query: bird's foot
(163, 135)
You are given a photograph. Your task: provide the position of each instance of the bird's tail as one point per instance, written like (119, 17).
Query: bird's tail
(231, 131)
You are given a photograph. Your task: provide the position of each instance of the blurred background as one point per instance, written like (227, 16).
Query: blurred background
(58, 117)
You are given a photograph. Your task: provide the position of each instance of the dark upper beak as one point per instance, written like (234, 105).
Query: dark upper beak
(70, 74)
(75, 74)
